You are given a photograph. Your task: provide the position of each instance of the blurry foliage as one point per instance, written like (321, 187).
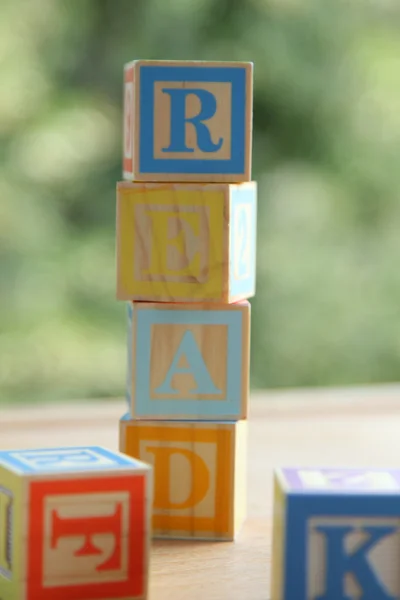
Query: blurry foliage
(326, 148)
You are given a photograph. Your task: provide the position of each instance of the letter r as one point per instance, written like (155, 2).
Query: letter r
(178, 120)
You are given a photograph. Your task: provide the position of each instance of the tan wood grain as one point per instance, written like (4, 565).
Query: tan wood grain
(343, 427)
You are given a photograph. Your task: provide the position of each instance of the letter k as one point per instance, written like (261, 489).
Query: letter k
(340, 563)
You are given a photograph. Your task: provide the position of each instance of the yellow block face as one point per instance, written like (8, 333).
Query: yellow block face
(195, 472)
(172, 242)
(13, 525)
(278, 542)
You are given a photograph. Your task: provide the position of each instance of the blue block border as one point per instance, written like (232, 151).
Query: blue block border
(149, 75)
(300, 509)
(144, 405)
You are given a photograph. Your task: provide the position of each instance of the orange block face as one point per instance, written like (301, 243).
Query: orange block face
(84, 538)
(199, 475)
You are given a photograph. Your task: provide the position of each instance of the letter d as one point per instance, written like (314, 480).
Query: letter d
(200, 477)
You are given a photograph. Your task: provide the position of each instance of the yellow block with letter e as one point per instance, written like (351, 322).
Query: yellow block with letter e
(186, 242)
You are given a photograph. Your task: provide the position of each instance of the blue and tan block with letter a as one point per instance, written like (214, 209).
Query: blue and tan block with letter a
(336, 534)
(187, 121)
(188, 361)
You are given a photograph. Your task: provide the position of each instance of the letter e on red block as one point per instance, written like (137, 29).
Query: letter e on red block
(87, 538)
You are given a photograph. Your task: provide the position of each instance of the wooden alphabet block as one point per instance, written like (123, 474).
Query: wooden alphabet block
(186, 242)
(74, 523)
(199, 475)
(188, 361)
(336, 534)
(187, 121)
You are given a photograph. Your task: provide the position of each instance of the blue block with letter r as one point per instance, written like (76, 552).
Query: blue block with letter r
(189, 121)
(336, 534)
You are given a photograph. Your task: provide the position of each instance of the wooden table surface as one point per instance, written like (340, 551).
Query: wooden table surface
(341, 427)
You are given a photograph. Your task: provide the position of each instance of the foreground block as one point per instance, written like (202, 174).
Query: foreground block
(187, 121)
(186, 242)
(336, 535)
(199, 475)
(188, 361)
(74, 523)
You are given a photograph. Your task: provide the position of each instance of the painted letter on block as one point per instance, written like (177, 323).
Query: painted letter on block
(163, 457)
(77, 523)
(186, 242)
(190, 354)
(85, 528)
(338, 537)
(188, 361)
(188, 121)
(199, 475)
(242, 241)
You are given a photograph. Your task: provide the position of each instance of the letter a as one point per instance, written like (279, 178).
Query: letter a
(178, 120)
(339, 563)
(189, 349)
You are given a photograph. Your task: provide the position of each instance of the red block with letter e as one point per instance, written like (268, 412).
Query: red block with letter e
(74, 523)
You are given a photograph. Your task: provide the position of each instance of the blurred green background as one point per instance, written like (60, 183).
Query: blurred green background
(326, 156)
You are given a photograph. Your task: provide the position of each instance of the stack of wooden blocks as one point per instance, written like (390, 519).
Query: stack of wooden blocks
(75, 522)
(186, 253)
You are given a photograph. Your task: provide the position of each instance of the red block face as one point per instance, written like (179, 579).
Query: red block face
(86, 538)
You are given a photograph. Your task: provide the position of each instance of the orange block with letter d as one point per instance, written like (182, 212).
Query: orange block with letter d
(199, 475)
(74, 523)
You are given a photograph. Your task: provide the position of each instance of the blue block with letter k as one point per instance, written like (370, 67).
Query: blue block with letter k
(188, 121)
(336, 534)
